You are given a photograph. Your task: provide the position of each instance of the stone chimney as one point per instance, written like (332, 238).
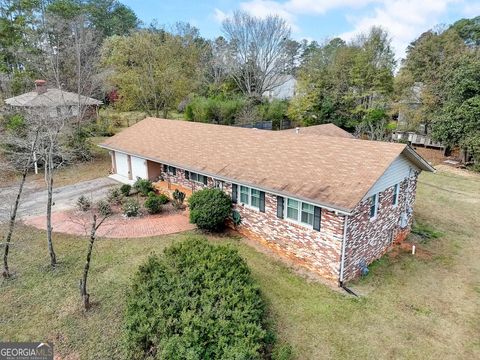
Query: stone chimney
(40, 86)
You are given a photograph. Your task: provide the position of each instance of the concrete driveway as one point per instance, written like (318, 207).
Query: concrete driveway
(34, 200)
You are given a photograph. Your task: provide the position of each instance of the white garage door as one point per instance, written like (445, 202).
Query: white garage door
(122, 164)
(139, 168)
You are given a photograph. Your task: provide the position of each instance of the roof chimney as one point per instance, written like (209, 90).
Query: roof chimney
(40, 86)
(297, 129)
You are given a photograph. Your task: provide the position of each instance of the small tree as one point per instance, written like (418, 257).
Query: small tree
(83, 281)
(209, 209)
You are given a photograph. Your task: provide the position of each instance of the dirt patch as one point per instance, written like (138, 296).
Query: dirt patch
(405, 247)
(457, 171)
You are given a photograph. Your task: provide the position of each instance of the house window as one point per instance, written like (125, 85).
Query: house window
(302, 213)
(244, 195)
(395, 194)
(292, 209)
(373, 206)
(307, 214)
(171, 170)
(255, 198)
(218, 184)
(198, 178)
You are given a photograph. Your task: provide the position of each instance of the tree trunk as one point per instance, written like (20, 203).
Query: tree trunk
(49, 178)
(83, 282)
(13, 215)
(8, 238)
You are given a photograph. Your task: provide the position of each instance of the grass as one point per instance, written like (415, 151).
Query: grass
(414, 306)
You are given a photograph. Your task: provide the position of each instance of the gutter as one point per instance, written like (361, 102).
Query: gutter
(234, 181)
(344, 245)
(342, 261)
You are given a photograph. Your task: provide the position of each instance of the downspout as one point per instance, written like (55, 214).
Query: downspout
(344, 244)
(342, 260)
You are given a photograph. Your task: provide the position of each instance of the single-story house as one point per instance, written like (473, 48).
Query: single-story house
(57, 101)
(330, 204)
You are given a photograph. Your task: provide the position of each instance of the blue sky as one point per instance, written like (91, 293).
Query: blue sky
(316, 19)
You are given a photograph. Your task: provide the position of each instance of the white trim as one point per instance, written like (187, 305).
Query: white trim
(344, 246)
(339, 210)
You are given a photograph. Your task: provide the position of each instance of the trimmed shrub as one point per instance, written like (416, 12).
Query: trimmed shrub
(197, 301)
(83, 203)
(130, 208)
(209, 208)
(115, 196)
(178, 199)
(163, 199)
(104, 208)
(143, 186)
(153, 204)
(125, 189)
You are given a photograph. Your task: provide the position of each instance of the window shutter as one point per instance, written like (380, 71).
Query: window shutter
(165, 168)
(205, 180)
(317, 215)
(187, 175)
(174, 171)
(280, 201)
(262, 201)
(234, 193)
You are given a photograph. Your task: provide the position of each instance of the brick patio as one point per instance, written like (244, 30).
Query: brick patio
(75, 223)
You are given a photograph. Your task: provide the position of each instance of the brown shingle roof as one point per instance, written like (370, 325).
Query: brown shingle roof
(324, 130)
(330, 171)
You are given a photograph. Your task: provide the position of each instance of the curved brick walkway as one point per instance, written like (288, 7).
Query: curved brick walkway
(75, 223)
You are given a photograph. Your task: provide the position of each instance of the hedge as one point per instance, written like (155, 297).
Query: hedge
(197, 301)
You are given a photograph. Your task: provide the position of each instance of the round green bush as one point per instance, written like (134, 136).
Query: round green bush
(153, 204)
(197, 301)
(209, 209)
(130, 208)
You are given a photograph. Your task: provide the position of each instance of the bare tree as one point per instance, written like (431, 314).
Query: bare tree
(92, 227)
(260, 52)
(54, 153)
(22, 155)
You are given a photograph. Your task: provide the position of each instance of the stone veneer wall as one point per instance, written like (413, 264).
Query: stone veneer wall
(367, 239)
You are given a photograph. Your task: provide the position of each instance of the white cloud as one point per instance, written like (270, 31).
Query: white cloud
(219, 15)
(264, 8)
(405, 20)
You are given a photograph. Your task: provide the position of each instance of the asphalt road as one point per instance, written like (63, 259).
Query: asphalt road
(34, 200)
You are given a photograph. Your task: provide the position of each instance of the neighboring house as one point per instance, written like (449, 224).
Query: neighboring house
(286, 89)
(58, 102)
(323, 130)
(404, 133)
(331, 204)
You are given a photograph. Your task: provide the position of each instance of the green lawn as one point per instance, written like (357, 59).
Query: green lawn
(417, 307)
